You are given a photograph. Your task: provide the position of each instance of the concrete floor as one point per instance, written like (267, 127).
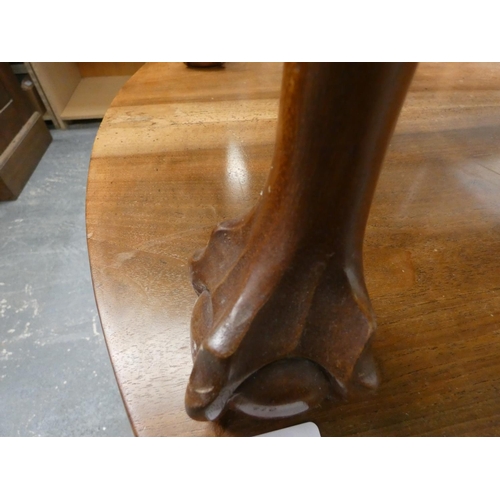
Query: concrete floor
(55, 375)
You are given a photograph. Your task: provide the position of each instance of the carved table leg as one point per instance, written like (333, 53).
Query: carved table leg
(283, 319)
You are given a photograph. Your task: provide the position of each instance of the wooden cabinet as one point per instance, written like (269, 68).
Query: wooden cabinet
(78, 91)
(24, 137)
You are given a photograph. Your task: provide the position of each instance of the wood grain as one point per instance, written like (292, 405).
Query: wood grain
(181, 150)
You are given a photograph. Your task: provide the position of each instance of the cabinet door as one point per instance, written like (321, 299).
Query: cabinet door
(24, 137)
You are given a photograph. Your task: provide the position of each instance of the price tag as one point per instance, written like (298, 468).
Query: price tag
(302, 430)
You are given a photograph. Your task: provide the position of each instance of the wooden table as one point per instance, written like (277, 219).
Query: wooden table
(180, 150)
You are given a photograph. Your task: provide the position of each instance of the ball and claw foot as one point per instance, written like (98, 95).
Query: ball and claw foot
(272, 341)
(283, 320)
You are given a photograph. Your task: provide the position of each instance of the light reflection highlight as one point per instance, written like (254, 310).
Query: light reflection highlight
(237, 177)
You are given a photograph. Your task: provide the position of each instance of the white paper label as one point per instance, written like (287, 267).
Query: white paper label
(308, 429)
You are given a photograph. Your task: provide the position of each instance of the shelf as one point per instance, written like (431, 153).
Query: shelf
(78, 91)
(92, 97)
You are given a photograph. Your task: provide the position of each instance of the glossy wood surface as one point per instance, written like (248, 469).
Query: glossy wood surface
(179, 151)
